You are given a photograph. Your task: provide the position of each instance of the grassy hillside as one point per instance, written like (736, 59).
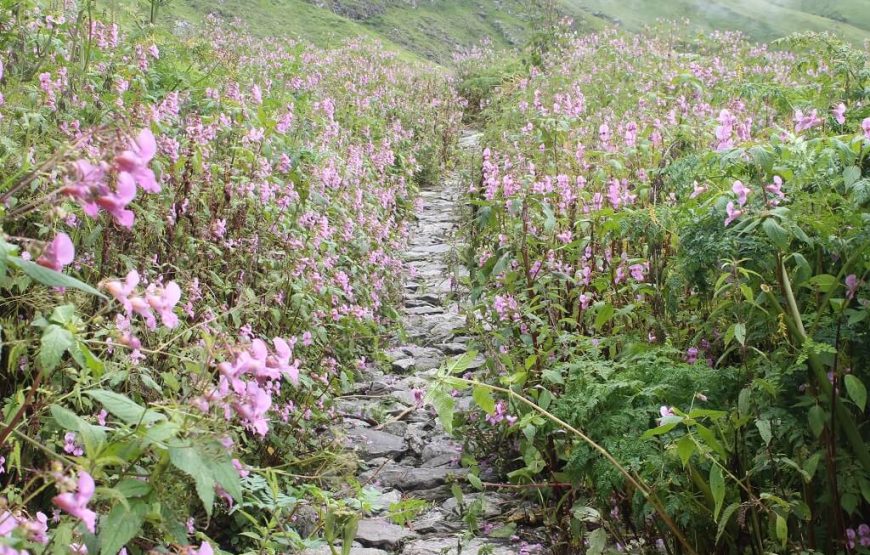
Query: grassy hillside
(432, 29)
(762, 20)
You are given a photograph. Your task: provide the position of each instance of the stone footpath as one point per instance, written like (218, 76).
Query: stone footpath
(403, 451)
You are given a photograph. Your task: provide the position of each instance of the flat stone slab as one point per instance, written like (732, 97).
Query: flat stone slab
(370, 443)
(379, 532)
(409, 478)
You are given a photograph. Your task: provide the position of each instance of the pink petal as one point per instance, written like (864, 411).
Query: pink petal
(146, 145)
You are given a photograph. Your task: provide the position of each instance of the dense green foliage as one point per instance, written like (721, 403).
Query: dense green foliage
(668, 252)
(198, 239)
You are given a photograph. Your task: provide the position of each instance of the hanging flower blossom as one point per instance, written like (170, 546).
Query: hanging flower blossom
(742, 191)
(134, 161)
(839, 113)
(58, 253)
(75, 503)
(732, 212)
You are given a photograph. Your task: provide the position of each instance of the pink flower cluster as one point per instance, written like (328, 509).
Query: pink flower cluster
(92, 189)
(742, 192)
(248, 382)
(34, 530)
(156, 298)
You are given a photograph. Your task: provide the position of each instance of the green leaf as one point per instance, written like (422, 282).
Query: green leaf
(824, 282)
(850, 175)
(685, 448)
(54, 343)
(740, 333)
(92, 436)
(460, 364)
(717, 488)
(186, 458)
(444, 405)
(597, 542)
(781, 529)
(775, 232)
(483, 397)
(764, 429)
(475, 482)
(119, 527)
(605, 313)
(223, 470)
(857, 391)
(51, 278)
(726, 516)
(131, 487)
(124, 408)
(668, 424)
(710, 441)
(817, 419)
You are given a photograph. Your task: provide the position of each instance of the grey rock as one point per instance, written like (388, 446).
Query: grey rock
(493, 504)
(436, 521)
(370, 443)
(442, 445)
(409, 478)
(379, 532)
(403, 364)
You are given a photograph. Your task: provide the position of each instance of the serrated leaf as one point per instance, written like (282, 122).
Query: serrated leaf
(51, 278)
(597, 542)
(475, 482)
(856, 390)
(483, 397)
(850, 175)
(764, 429)
(55, 341)
(119, 527)
(444, 405)
(685, 448)
(125, 408)
(717, 488)
(775, 232)
(186, 458)
(740, 333)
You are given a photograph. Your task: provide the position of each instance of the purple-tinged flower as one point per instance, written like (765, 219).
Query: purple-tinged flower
(134, 161)
(75, 503)
(865, 125)
(691, 355)
(839, 112)
(742, 192)
(58, 253)
(697, 190)
(732, 213)
(806, 121)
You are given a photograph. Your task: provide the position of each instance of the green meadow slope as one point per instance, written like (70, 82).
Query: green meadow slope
(433, 29)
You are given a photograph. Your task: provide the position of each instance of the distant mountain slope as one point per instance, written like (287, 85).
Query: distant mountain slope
(762, 20)
(432, 29)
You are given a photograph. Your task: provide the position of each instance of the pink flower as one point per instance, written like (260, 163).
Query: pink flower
(58, 253)
(733, 213)
(806, 121)
(134, 161)
(742, 191)
(76, 503)
(665, 410)
(775, 189)
(839, 113)
(697, 190)
(865, 125)
(163, 301)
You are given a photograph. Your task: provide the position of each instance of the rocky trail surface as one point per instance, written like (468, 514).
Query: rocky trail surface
(404, 452)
